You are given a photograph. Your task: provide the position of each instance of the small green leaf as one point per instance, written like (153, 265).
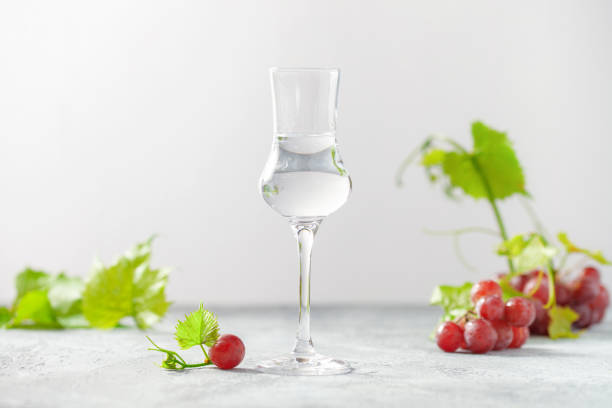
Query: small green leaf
(454, 300)
(127, 288)
(508, 291)
(108, 295)
(140, 254)
(570, 247)
(149, 298)
(30, 279)
(65, 297)
(199, 327)
(492, 160)
(561, 319)
(497, 160)
(5, 316)
(513, 246)
(433, 157)
(528, 252)
(34, 309)
(459, 167)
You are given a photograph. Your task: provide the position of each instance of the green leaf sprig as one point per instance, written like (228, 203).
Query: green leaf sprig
(128, 287)
(491, 170)
(200, 328)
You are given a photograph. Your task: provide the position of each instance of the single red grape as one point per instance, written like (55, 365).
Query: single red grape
(584, 316)
(504, 334)
(480, 336)
(599, 304)
(597, 315)
(592, 272)
(602, 300)
(227, 352)
(490, 307)
(461, 324)
(485, 288)
(518, 282)
(540, 324)
(520, 312)
(606, 295)
(449, 336)
(533, 273)
(542, 290)
(519, 336)
(586, 287)
(563, 294)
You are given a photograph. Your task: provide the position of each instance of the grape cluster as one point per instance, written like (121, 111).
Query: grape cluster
(495, 326)
(584, 293)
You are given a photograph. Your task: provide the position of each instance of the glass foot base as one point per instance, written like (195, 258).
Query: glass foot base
(300, 364)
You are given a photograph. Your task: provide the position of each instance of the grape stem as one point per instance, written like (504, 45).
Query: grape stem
(205, 353)
(488, 190)
(456, 244)
(550, 268)
(491, 199)
(177, 359)
(537, 285)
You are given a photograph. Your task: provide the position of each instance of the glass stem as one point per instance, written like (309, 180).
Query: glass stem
(304, 232)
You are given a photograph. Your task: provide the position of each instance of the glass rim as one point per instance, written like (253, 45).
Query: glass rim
(304, 69)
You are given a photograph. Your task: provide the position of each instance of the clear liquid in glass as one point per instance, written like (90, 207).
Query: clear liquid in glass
(304, 177)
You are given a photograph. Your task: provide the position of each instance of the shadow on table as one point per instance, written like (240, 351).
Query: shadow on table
(239, 370)
(537, 352)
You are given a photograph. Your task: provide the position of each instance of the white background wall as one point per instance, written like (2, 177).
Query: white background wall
(119, 119)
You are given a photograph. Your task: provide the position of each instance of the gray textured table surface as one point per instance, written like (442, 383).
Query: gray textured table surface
(395, 365)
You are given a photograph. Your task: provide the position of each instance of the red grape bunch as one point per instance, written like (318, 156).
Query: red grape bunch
(585, 294)
(495, 325)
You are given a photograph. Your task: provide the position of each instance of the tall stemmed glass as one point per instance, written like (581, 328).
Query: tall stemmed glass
(304, 180)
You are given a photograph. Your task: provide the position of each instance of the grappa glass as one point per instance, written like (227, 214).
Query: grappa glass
(304, 180)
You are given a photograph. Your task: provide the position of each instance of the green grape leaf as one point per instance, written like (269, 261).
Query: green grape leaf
(45, 301)
(5, 316)
(149, 298)
(199, 327)
(140, 254)
(459, 168)
(527, 252)
(29, 280)
(561, 319)
(454, 300)
(433, 157)
(108, 295)
(65, 297)
(34, 309)
(493, 159)
(497, 160)
(127, 288)
(570, 247)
